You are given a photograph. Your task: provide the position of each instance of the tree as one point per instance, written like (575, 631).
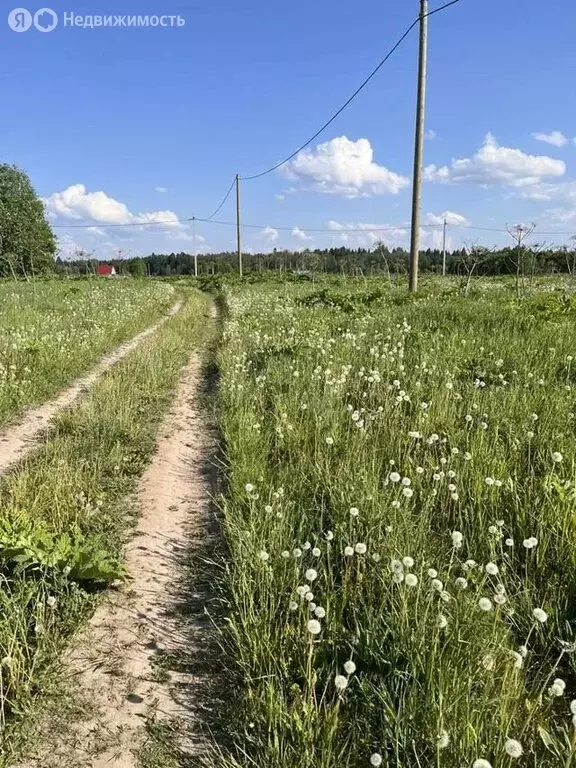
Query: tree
(137, 267)
(27, 243)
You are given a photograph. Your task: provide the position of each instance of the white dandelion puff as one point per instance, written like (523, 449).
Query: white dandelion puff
(341, 682)
(311, 574)
(485, 604)
(408, 562)
(492, 569)
(411, 580)
(540, 615)
(350, 667)
(360, 548)
(376, 760)
(348, 551)
(557, 457)
(314, 627)
(443, 739)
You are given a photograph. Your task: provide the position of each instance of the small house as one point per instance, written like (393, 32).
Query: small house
(105, 270)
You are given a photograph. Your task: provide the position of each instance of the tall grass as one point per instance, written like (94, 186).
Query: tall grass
(401, 496)
(50, 331)
(65, 515)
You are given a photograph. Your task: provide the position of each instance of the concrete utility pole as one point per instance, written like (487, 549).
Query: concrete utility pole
(238, 233)
(444, 249)
(419, 148)
(194, 246)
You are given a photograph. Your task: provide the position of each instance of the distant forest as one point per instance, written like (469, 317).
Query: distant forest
(479, 261)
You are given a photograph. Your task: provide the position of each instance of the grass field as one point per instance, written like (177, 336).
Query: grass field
(51, 331)
(66, 511)
(401, 525)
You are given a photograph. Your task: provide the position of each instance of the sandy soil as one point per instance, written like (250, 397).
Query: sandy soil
(18, 439)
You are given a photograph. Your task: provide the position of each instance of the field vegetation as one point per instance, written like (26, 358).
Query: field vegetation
(65, 512)
(400, 520)
(50, 331)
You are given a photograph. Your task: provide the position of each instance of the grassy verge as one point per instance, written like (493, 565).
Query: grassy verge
(51, 331)
(400, 519)
(64, 514)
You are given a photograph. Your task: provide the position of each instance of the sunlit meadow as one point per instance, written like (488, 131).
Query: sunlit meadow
(401, 525)
(52, 330)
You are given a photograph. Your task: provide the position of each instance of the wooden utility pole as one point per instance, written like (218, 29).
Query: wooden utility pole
(444, 249)
(419, 148)
(194, 246)
(238, 229)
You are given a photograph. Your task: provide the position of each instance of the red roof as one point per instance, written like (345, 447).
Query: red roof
(105, 270)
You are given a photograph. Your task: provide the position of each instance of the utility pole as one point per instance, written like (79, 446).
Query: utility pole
(444, 249)
(194, 246)
(419, 148)
(238, 233)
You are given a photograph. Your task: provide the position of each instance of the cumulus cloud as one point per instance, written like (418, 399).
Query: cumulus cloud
(555, 138)
(497, 165)
(365, 235)
(161, 189)
(300, 234)
(344, 167)
(76, 203)
(455, 219)
(269, 234)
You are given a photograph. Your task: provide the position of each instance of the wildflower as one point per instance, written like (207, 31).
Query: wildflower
(376, 557)
(573, 706)
(445, 596)
(454, 497)
(316, 552)
(560, 683)
(408, 493)
(396, 504)
(376, 759)
(419, 470)
(311, 574)
(264, 556)
(461, 583)
(488, 662)
(341, 682)
(319, 612)
(314, 627)
(493, 529)
(437, 585)
(285, 554)
(348, 551)
(470, 564)
(432, 573)
(350, 667)
(442, 621)
(492, 569)
(556, 690)
(51, 601)
(306, 546)
(485, 604)
(530, 435)
(309, 596)
(67, 570)
(509, 542)
(557, 457)
(293, 605)
(489, 481)
(500, 599)
(329, 535)
(481, 763)
(457, 539)
(398, 577)
(414, 435)
(354, 512)
(523, 651)
(397, 565)
(451, 487)
(361, 548)
(249, 487)
(297, 553)
(329, 441)
(302, 591)
(451, 474)
(443, 739)
(467, 456)
(395, 477)
(411, 580)
(540, 615)
(518, 659)
(408, 562)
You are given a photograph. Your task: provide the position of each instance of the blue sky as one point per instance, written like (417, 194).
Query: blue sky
(104, 119)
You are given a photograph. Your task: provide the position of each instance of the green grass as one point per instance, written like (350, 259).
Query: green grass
(50, 331)
(65, 512)
(325, 394)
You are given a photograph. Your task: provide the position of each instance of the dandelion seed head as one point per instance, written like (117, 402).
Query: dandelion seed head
(376, 759)
(316, 552)
(311, 574)
(513, 748)
(443, 740)
(354, 512)
(540, 615)
(348, 551)
(442, 621)
(341, 682)
(481, 763)
(432, 573)
(350, 667)
(411, 580)
(557, 457)
(492, 569)
(461, 583)
(264, 556)
(395, 477)
(360, 548)
(314, 627)
(408, 562)
(485, 604)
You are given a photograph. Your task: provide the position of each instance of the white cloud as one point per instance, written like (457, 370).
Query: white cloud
(280, 197)
(430, 135)
(77, 204)
(270, 234)
(161, 189)
(496, 165)
(556, 139)
(300, 234)
(367, 235)
(344, 167)
(455, 219)
(96, 231)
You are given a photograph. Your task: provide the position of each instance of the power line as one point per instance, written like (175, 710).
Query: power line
(226, 196)
(351, 99)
